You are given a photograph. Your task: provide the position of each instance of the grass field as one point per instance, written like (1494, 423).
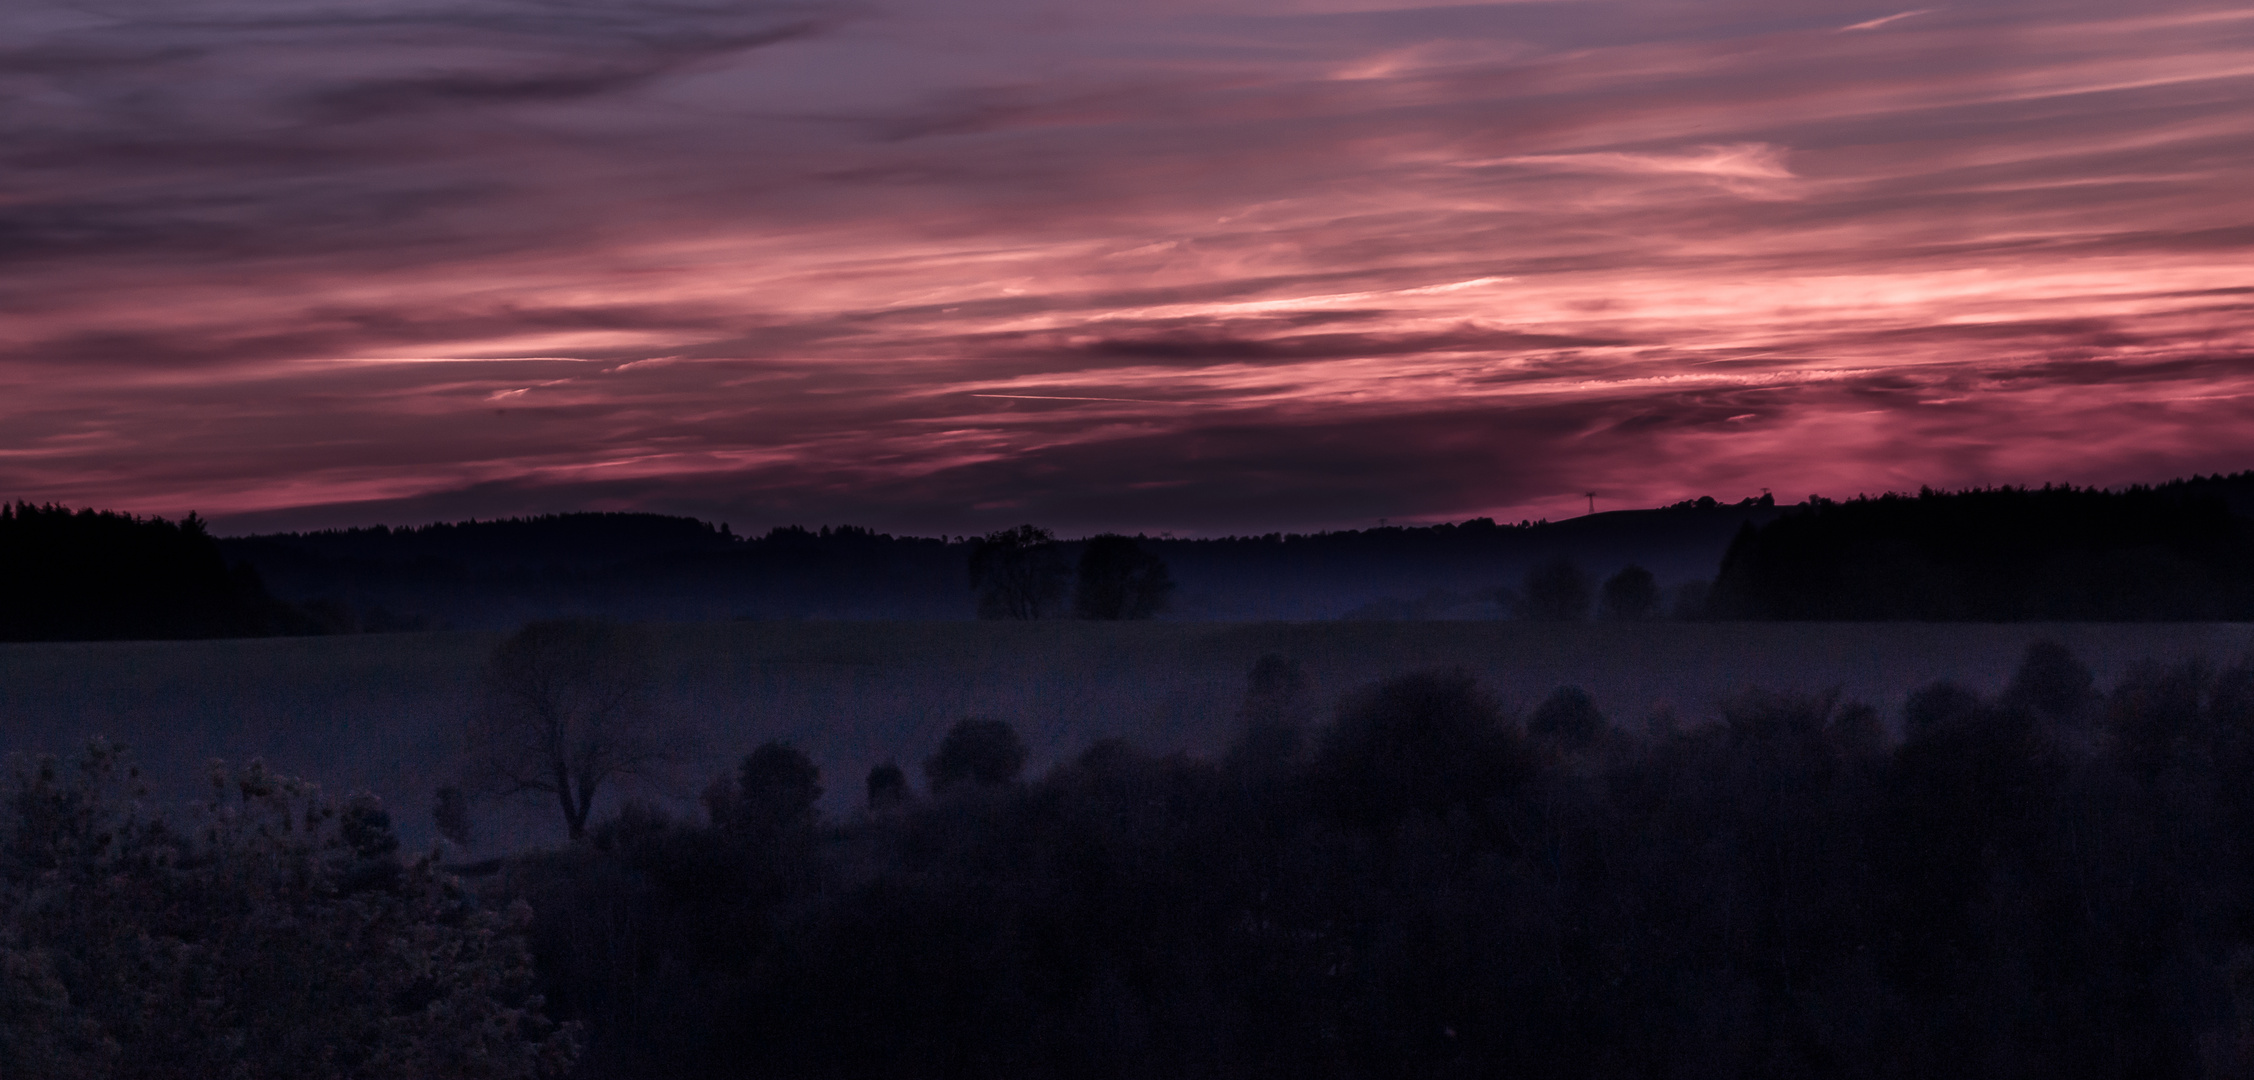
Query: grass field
(384, 712)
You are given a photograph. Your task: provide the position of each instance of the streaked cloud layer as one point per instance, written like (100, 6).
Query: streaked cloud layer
(1205, 267)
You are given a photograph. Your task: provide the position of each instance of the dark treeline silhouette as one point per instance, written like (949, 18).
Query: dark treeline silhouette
(1119, 579)
(2053, 882)
(2178, 550)
(1463, 569)
(500, 574)
(2175, 552)
(90, 575)
(1021, 573)
(583, 541)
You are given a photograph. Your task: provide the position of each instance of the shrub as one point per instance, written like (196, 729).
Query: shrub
(887, 786)
(1428, 742)
(1556, 591)
(1632, 595)
(976, 750)
(1567, 717)
(281, 935)
(776, 787)
(2051, 681)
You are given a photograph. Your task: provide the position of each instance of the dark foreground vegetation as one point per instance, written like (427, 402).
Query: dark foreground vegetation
(2054, 882)
(275, 933)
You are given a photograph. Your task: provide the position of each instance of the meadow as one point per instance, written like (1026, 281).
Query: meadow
(385, 712)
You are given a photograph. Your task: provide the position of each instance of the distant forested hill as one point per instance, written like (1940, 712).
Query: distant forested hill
(2181, 551)
(496, 574)
(91, 575)
(1442, 571)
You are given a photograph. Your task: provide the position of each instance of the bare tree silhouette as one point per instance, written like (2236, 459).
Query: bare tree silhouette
(567, 707)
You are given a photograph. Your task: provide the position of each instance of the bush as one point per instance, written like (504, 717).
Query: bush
(1567, 717)
(978, 751)
(1632, 595)
(451, 814)
(1556, 591)
(2051, 681)
(279, 936)
(1428, 742)
(887, 787)
(776, 787)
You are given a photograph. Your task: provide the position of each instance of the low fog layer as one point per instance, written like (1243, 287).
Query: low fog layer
(388, 713)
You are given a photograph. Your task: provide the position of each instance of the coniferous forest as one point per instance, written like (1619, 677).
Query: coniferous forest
(2174, 553)
(92, 575)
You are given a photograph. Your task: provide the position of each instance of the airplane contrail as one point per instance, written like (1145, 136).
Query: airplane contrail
(1064, 397)
(1876, 23)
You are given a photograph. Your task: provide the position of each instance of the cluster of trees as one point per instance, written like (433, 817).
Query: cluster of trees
(277, 933)
(498, 574)
(91, 575)
(1020, 574)
(1560, 591)
(2055, 881)
(2177, 552)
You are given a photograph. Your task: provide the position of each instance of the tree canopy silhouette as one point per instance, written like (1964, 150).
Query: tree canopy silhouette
(1568, 717)
(1555, 591)
(1017, 573)
(1632, 595)
(1117, 579)
(775, 787)
(979, 751)
(1427, 742)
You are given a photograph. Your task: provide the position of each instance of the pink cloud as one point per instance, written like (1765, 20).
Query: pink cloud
(1161, 268)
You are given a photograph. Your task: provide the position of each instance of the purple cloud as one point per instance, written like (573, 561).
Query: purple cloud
(1187, 266)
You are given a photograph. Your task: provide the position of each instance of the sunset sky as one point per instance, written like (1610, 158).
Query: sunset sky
(1204, 267)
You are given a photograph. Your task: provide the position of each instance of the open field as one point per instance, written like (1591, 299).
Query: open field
(384, 712)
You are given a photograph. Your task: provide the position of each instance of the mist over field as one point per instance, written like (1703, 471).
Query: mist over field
(1840, 783)
(495, 575)
(387, 713)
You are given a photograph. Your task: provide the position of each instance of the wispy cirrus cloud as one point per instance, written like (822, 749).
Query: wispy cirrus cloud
(1198, 267)
(1885, 20)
